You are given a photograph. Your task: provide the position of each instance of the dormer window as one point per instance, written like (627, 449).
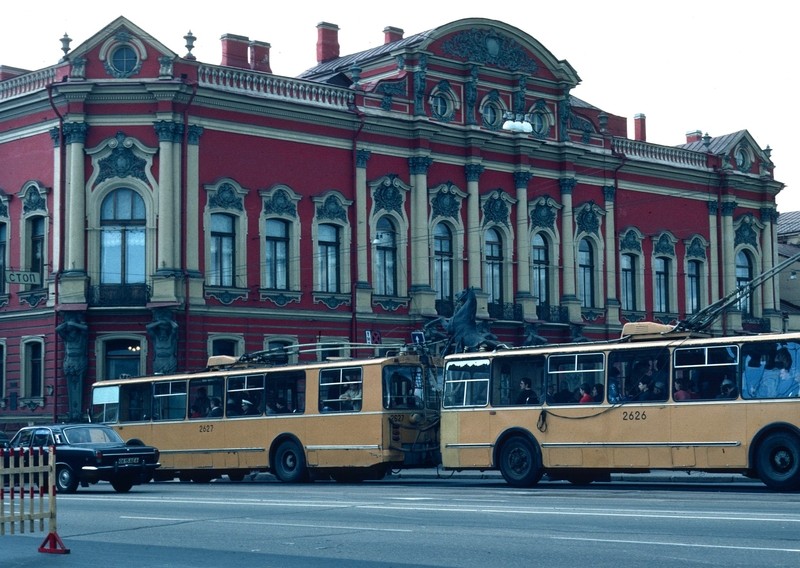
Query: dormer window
(443, 102)
(124, 60)
(492, 115)
(742, 157)
(122, 55)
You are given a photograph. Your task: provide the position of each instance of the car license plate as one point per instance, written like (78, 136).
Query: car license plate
(127, 461)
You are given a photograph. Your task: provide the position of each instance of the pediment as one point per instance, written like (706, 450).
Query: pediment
(120, 50)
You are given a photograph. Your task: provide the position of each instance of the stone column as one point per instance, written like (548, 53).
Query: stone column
(734, 318)
(713, 253)
(473, 228)
(363, 288)
(74, 247)
(73, 280)
(192, 206)
(771, 307)
(165, 261)
(423, 297)
(524, 297)
(568, 297)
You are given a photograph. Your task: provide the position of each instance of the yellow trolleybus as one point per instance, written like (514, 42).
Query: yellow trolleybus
(346, 419)
(655, 399)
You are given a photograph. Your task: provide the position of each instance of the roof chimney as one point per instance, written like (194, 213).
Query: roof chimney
(639, 128)
(259, 56)
(694, 136)
(327, 42)
(234, 51)
(391, 34)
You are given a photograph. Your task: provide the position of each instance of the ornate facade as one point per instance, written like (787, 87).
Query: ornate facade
(155, 210)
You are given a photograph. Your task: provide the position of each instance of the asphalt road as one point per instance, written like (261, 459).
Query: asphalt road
(422, 521)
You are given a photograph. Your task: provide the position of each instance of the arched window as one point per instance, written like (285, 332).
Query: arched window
(540, 268)
(443, 263)
(586, 273)
(385, 258)
(628, 281)
(494, 267)
(276, 261)
(662, 269)
(744, 274)
(122, 244)
(328, 251)
(222, 249)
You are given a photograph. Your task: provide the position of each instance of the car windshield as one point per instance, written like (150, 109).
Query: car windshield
(91, 435)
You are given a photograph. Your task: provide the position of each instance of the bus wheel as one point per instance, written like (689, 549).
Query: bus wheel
(778, 461)
(290, 463)
(66, 480)
(519, 463)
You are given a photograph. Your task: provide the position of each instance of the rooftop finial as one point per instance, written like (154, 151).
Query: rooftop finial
(189, 45)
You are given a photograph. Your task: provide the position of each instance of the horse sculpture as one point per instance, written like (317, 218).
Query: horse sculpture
(462, 332)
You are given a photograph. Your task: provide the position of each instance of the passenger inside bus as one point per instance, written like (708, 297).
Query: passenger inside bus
(216, 408)
(351, 398)
(278, 406)
(727, 390)
(201, 405)
(249, 409)
(526, 394)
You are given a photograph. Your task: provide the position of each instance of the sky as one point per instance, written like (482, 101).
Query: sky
(718, 66)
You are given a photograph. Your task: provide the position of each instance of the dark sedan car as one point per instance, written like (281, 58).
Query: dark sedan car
(88, 453)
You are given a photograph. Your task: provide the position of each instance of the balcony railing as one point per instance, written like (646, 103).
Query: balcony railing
(119, 295)
(268, 86)
(552, 314)
(505, 311)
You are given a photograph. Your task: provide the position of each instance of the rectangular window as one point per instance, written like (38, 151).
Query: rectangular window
(662, 280)
(276, 261)
(628, 281)
(222, 251)
(467, 383)
(403, 387)
(708, 372)
(245, 395)
(328, 258)
(206, 396)
(693, 287)
(34, 369)
(340, 390)
(2, 370)
(566, 374)
(286, 392)
(3, 251)
(105, 404)
(169, 400)
(135, 402)
(37, 249)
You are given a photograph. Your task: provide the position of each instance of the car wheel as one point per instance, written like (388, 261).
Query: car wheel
(66, 480)
(122, 485)
(290, 463)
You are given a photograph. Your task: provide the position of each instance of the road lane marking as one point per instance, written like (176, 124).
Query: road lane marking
(311, 526)
(681, 544)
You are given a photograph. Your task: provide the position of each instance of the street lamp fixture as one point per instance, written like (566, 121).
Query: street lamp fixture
(517, 122)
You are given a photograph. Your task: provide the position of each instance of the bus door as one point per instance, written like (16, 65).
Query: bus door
(709, 422)
(467, 440)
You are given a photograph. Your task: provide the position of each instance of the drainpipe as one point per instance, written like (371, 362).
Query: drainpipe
(62, 191)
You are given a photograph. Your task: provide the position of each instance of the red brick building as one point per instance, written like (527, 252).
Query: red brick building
(155, 209)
